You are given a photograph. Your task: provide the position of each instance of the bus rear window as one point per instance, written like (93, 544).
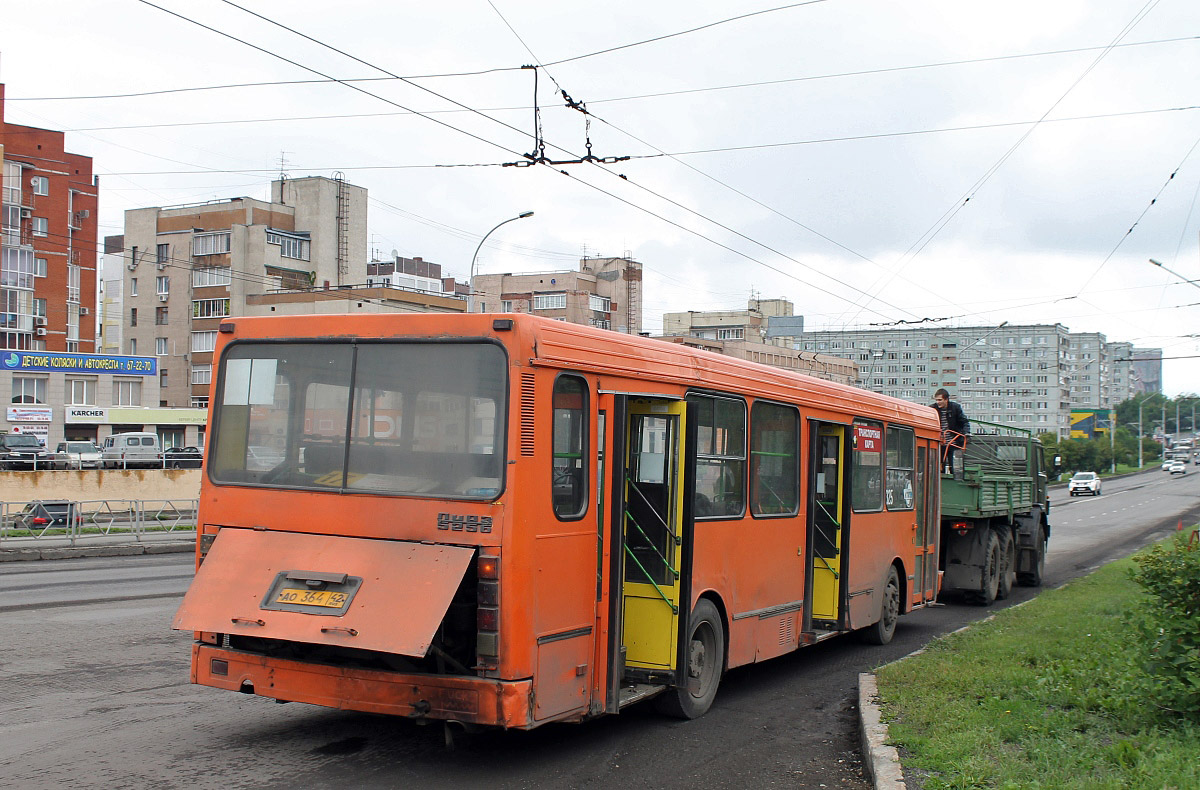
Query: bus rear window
(393, 418)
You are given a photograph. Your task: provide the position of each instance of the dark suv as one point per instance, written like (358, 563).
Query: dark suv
(22, 451)
(48, 514)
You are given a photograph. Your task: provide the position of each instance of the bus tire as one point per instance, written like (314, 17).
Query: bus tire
(881, 631)
(1033, 578)
(705, 659)
(1008, 560)
(990, 573)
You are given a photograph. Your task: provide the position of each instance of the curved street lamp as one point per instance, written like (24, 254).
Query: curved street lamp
(471, 281)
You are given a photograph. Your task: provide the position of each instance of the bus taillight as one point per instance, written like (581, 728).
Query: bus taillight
(487, 618)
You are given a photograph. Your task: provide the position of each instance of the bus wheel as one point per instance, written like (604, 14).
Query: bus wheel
(880, 633)
(1033, 578)
(991, 571)
(1007, 560)
(705, 662)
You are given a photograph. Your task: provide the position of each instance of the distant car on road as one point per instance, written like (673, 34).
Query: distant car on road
(48, 513)
(1178, 468)
(1084, 483)
(129, 450)
(76, 455)
(22, 451)
(183, 457)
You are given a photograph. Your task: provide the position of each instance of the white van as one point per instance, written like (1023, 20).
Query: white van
(128, 450)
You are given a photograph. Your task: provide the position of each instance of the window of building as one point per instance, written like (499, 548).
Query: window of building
(506, 305)
(12, 183)
(210, 243)
(162, 253)
(290, 246)
(40, 185)
(210, 308)
(866, 472)
(160, 346)
(133, 286)
(27, 389)
(774, 447)
(204, 341)
(127, 392)
(133, 316)
(556, 301)
(205, 276)
(568, 471)
(200, 403)
(162, 378)
(160, 316)
(720, 456)
(162, 285)
(41, 226)
(81, 392)
(39, 267)
(730, 334)
(600, 304)
(201, 374)
(39, 307)
(133, 345)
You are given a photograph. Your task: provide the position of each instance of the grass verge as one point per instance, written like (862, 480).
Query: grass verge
(1041, 696)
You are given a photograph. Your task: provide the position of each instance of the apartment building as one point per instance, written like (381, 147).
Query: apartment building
(187, 267)
(48, 242)
(1028, 376)
(604, 292)
(770, 321)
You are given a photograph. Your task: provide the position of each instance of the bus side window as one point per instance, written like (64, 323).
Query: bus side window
(568, 479)
(720, 456)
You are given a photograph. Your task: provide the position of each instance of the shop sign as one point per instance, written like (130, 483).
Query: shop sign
(86, 414)
(29, 413)
(42, 432)
(58, 362)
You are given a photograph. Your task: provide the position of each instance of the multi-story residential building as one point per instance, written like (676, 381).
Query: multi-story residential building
(1147, 370)
(48, 244)
(822, 366)
(112, 287)
(187, 267)
(1030, 376)
(414, 274)
(605, 292)
(763, 321)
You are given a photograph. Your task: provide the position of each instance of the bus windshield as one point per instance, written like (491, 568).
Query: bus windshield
(412, 418)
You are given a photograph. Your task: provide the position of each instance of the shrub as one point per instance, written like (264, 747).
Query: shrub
(1170, 625)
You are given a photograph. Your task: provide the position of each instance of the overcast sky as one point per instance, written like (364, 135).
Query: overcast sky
(871, 161)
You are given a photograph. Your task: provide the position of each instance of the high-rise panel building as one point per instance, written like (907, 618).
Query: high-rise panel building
(604, 292)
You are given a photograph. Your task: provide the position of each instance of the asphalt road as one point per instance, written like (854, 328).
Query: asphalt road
(98, 694)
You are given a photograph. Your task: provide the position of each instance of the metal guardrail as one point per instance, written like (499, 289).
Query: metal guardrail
(136, 518)
(58, 464)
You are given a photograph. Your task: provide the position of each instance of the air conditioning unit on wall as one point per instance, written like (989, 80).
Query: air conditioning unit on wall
(162, 297)
(84, 310)
(41, 331)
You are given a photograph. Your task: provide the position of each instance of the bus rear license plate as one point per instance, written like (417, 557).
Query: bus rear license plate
(329, 598)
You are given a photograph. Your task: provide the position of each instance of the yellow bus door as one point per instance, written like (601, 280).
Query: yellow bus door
(826, 521)
(653, 532)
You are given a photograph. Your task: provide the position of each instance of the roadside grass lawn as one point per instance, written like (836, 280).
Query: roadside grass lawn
(1044, 695)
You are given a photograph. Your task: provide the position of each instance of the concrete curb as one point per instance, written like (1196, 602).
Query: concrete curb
(881, 761)
(114, 550)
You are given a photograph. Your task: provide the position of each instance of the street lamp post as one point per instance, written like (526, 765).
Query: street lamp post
(1142, 401)
(471, 282)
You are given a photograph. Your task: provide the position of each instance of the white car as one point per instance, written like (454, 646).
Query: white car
(1084, 483)
(1177, 468)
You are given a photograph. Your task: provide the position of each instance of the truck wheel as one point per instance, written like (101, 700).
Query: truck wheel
(880, 633)
(1007, 563)
(991, 572)
(1033, 578)
(705, 662)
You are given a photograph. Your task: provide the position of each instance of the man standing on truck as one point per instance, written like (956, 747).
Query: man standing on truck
(955, 426)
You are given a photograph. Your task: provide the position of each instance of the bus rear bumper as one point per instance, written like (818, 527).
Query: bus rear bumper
(441, 697)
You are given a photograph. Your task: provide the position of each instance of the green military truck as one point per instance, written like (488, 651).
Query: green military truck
(995, 514)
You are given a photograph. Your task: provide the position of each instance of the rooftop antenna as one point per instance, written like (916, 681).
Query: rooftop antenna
(283, 163)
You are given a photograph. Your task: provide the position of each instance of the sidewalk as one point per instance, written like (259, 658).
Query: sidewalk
(122, 545)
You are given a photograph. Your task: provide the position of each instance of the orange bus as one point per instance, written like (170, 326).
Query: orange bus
(508, 520)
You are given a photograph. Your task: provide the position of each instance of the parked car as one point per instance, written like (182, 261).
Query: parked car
(183, 457)
(1178, 468)
(76, 455)
(47, 513)
(127, 450)
(22, 451)
(1084, 483)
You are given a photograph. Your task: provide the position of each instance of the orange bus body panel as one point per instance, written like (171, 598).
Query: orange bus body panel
(405, 590)
(467, 699)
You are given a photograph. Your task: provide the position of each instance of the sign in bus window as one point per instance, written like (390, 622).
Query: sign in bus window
(568, 473)
(774, 439)
(866, 471)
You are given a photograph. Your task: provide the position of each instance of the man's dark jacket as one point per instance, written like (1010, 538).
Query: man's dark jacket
(956, 420)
